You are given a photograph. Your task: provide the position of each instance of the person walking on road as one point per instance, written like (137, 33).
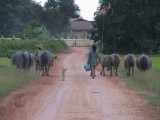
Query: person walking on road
(92, 60)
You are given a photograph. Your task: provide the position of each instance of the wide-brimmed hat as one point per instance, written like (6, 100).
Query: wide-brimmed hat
(40, 46)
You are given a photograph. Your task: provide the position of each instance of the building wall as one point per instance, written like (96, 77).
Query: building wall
(81, 28)
(81, 25)
(79, 35)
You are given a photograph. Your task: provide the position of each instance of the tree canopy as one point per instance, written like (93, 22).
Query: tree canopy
(17, 15)
(128, 25)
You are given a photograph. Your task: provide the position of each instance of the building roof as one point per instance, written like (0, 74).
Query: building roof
(79, 24)
(78, 19)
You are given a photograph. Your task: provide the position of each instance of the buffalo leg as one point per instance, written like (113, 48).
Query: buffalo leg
(48, 70)
(132, 70)
(129, 70)
(103, 72)
(111, 71)
(42, 70)
(45, 70)
(126, 70)
(116, 71)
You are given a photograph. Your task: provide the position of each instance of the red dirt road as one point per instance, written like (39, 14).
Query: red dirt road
(77, 98)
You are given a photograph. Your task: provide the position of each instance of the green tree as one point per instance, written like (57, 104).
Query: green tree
(69, 8)
(15, 15)
(128, 25)
(55, 21)
(35, 31)
(57, 13)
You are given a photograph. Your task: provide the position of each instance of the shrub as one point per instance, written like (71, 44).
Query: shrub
(12, 46)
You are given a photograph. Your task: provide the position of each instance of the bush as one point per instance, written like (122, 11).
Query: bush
(12, 46)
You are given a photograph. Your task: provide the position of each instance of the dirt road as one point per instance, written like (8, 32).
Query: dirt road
(78, 97)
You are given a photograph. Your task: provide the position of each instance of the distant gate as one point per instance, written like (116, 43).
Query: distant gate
(79, 42)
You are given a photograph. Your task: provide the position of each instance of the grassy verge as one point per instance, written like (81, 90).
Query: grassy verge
(153, 100)
(11, 78)
(148, 81)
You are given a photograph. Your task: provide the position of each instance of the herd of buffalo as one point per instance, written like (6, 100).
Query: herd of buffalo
(143, 63)
(24, 60)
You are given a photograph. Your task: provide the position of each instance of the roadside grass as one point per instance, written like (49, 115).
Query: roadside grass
(4, 61)
(11, 78)
(148, 81)
(153, 100)
(147, 84)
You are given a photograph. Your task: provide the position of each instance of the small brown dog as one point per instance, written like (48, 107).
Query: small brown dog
(63, 73)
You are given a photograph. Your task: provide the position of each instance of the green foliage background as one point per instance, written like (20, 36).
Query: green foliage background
(12, 46)
(17, 15)
(128, 26)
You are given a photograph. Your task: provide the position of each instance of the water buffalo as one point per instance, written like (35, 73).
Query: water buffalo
(23, 60)
(129, 63)
(107, 61)
(143, 63)
(30, 60)
(116, 63)
(46, 61)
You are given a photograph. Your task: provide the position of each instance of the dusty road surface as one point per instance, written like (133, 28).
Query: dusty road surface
(77, 98)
